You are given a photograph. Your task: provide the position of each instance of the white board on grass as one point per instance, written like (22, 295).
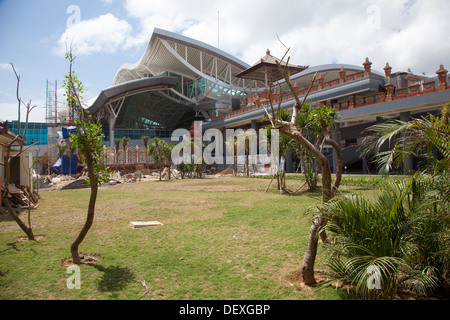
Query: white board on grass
(141, 224)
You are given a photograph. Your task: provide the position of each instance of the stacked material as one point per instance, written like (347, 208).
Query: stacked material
(21, 198)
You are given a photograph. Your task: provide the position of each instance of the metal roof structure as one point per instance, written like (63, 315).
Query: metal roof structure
(176, 81)
(205, 74)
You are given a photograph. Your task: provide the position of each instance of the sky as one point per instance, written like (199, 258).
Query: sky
(105, 34)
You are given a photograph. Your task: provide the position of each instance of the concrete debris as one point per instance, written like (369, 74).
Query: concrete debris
(227, 171)
(22, 198)
(79, 183)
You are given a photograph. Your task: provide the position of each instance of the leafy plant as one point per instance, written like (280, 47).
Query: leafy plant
(157, 149)
(426, 138)
(395, 233)
(88, 140)
(117, 146)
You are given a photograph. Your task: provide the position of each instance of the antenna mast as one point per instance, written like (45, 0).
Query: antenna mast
(218, 13)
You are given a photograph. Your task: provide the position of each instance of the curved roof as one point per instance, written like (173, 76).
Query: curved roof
(205, 74)
(131, 88)
(176, 81)
(328, 71)
(152, 61)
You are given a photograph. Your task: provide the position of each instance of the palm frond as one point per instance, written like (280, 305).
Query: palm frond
(425, 281)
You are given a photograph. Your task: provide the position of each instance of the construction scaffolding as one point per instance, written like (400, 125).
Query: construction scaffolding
(53, 127)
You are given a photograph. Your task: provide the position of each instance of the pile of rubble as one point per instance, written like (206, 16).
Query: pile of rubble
(65, 182)
(21, 198)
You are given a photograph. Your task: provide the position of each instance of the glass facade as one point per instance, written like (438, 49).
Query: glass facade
(136, 134)
(36, 132)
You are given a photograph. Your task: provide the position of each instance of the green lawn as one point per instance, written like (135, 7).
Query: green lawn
(222, 239)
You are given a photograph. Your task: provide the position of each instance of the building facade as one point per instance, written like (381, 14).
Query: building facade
(180, 80)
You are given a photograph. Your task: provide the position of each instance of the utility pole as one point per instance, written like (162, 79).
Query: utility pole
(218, 24)
(56, 101)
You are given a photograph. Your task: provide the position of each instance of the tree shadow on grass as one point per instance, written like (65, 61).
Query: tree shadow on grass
(11, 246)
(114, 278)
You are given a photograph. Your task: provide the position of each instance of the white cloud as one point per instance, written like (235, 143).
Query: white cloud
(105, 34)
(5, 66)
(404, 33)
(8, 111)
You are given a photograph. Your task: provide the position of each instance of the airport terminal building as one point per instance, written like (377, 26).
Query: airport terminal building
(180, 80)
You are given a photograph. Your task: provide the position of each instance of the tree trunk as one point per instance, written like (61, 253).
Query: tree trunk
(310, 254)
(327, 194)
(317, 224)
(247, 169)
(28, 230)
(339, 164)
(91, 208)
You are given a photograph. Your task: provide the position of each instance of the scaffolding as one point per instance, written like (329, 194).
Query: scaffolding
(53, 126)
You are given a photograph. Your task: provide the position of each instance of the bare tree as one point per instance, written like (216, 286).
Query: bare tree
(12, 154)
(290, 129)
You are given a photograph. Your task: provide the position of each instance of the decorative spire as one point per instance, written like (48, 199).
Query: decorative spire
(441, 69)
(387, 71)
(342, 75)
(442, 77)
(268, 51)
(367, 65)
(367, 62)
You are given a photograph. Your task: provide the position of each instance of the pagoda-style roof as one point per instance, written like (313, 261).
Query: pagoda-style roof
(267, 69)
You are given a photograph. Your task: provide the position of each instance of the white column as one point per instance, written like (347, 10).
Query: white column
(112, 123)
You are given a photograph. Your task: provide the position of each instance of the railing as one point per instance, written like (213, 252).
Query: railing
(133, 158)
(262, 99)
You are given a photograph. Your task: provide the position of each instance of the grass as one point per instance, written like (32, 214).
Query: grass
(222, 239)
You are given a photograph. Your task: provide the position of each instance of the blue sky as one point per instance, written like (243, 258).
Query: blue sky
(109, 33)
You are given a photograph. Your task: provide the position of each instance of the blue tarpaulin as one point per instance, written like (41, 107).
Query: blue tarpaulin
(67, 131)
(66, 166)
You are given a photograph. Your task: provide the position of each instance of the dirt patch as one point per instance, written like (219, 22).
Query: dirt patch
(294, 277)
(227, 171)
(25, 238)
(86, 258)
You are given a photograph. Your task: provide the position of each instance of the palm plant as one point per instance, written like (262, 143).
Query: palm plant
(117, 146)
(311, 131)
(61, 150)
(167, 154)
(248, 140)
(382, 235)
(231, 145)
(405, 231)
(72, 149)
(145, 141)
(427, 138)
(156, 150)
(125, 141)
